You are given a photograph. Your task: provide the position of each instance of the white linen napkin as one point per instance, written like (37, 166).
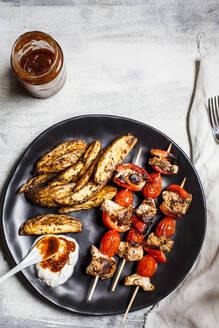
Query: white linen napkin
(195, 303)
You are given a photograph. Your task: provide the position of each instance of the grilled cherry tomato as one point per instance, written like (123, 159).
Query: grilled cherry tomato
(109, 244)
(124, 198)
(153, 189)
(157, 254)
(162, 154)
(167, 212)
(115, 225)
(166, 227)
(139, 225)
(147, 266)
(179, 190)
(134, 181)
(135, 237)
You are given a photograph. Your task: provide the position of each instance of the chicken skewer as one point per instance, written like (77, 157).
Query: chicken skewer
(136, 279)
(103, 264)
(124, 259)
(163, 161)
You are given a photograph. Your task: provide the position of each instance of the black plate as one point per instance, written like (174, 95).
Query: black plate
(190, 229)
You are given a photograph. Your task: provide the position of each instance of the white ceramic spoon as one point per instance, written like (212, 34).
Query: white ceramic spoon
(34, 256)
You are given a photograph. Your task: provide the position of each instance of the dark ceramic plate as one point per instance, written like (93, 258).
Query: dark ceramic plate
(190, 229)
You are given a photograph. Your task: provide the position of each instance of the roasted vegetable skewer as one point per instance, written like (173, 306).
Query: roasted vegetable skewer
(163, 161)
(176, 201)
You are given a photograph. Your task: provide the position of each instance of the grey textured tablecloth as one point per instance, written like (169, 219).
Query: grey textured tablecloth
(128, 58)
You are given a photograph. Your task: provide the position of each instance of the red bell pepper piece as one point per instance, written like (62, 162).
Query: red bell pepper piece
(179, 190)
(128, 183)
(157, 254)
(114, 225)
(138, 224)
(159, 170)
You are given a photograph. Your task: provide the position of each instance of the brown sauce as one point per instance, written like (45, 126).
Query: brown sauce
(48, 246)
(55, 264)
(37, 62)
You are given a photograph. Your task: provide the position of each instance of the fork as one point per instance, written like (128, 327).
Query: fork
(213, 108)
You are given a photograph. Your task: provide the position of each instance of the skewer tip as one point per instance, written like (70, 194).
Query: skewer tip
(93, 288)
(130, 304)
(183, 183)
(138, 156)
(169, 148)
(118, 275)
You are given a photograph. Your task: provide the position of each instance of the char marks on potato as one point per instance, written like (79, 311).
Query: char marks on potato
(112, 157)
(107, 192)
(61, 157)
(36, 181)
(50, 224)
(89, 190)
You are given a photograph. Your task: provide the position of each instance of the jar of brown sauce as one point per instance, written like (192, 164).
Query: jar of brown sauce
(38, 63)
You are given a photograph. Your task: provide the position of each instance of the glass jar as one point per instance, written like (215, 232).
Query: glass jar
(38, 63)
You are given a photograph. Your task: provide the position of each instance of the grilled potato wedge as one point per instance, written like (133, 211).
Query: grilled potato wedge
(46, 196)
(107, 192)
(50, 224)
(85, 178)
(36, 181)
(61, 157)
(88, 191)
(71, 174)
(112, 157)
(90, 155)
(42, 201)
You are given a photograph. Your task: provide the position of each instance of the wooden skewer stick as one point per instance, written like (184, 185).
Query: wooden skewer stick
(124, 260)
(118, 274)
(130, 304)
(169, 148)
(182, 184)
(93, 288)
(138, 156)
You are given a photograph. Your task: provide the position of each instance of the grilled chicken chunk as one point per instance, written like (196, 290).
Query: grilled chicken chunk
(117, 212)
(165, 244)
(175, 204)
(164, 165)
(101, 265)
(147, 209)
(137, 280)
(130, 252)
